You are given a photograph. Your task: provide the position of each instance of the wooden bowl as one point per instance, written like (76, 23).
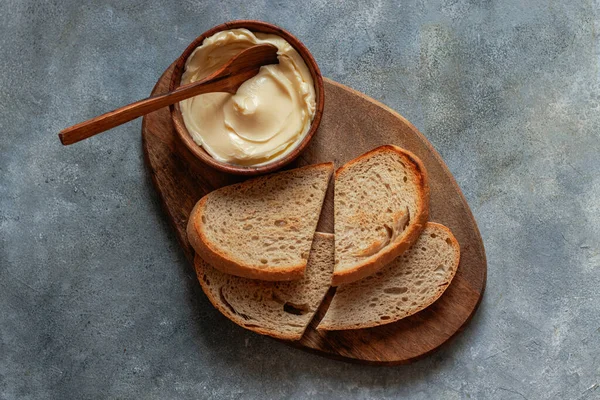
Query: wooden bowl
(198, 151)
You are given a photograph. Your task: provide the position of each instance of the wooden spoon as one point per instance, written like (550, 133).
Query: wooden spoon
(228, 79)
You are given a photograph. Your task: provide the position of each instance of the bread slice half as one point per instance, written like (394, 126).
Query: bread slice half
(279, 309)
(407, 285)
(261, 228)
(381, 205)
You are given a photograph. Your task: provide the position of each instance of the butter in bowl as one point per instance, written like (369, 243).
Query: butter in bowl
(271, 118)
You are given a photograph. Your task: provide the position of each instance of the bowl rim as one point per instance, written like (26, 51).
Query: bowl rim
(198, 151)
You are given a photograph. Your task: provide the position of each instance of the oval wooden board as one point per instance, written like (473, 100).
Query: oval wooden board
(352, 124)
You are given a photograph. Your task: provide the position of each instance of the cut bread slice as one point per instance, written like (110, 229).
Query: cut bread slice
(279, 309)
(407, 285)
(261, 228)
(381, 205)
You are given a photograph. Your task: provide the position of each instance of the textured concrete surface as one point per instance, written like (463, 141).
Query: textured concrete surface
(96, 299)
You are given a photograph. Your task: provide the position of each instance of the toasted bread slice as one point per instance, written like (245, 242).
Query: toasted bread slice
(381, 205)
(407, 285)
(261, 228)
(279, 309)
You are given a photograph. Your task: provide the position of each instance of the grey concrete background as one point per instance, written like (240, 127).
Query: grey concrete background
(96, 299)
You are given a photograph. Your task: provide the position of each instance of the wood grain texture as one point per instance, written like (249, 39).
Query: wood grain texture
(352, 124)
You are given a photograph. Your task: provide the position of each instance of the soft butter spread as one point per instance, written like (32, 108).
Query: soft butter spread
(267, 117)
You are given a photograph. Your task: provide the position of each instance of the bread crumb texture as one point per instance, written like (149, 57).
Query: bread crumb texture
(268, 222)
(376, 198)
(279, 309)
(407, 285)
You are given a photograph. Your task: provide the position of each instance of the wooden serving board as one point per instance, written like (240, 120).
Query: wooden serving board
(352, 124)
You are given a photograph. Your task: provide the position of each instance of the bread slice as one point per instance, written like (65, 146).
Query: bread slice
(407, 285)
(381, 206)
(261, 228)
(279, 309)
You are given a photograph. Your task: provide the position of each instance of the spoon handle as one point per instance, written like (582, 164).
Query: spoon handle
(109, 120)
(228, 78)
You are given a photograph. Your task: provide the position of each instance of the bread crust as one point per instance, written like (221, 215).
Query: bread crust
(224, 263)
(440, 290)
(234, 318)
(414, 229)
